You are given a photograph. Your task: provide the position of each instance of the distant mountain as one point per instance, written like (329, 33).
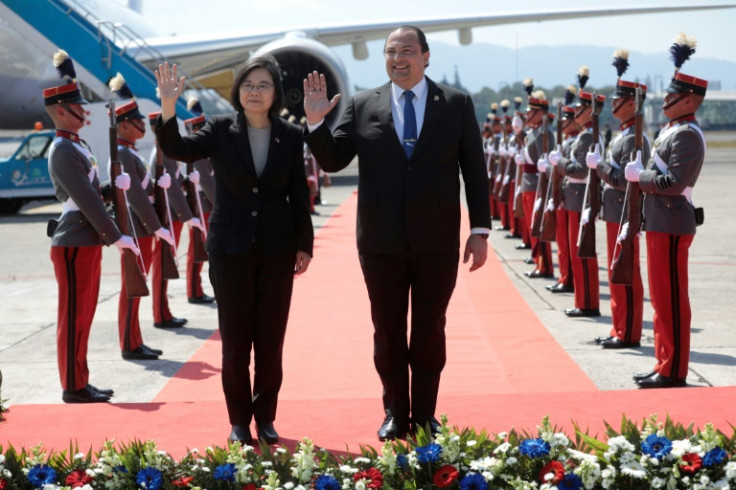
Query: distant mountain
(493, 66)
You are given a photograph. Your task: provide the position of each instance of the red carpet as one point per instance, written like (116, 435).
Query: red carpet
(503, 371)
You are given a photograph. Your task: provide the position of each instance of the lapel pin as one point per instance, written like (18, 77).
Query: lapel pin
(276, 140)
(436, 98)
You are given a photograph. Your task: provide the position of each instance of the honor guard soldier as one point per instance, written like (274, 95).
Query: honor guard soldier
(627, 301)
(536, 119)
(514, 128)
(585, 270)
(146, 224)
(180, 213)
(670, 219)
(503, 161)
(493, 144)
(519, 126)
(78, 235)
(570, 130)
(201, 178)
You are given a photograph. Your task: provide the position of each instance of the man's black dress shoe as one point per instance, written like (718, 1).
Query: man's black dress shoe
(155, 351)
(241, 433)
(85, 395)
(560, 288)
(105, 392)
(267, 433)
(522, 246)
(391, 429)
(142, 353)
(529, 260)
(659, 381)
(640, 376)
(502, 228)
(577, 312)
(427, 422)
(598, 340)
(511, 235)
(201, 300)
(617, 343)
(173, 323)
(536, 274)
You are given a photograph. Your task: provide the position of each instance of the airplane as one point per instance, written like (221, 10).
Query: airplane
(210, 59)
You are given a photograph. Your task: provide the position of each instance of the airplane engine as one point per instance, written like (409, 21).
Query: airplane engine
(299, 55)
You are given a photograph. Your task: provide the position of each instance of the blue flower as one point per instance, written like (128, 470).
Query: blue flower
(402, 461)
(429, 453)
(473, 481)
(225, 472)
(326, 482)
(149, 478)
(535, 448)
(572, 481)
(41, 475)
(714, 456)
(656, 447)
(120, 469)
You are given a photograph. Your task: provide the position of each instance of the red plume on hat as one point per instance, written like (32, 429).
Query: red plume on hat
(621, 61)
(682, 49)
(64, 66)
(583, 75)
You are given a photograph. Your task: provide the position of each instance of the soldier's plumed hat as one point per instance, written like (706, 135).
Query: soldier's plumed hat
(494, 113)
(624, 88)
(568, 112)
(680, 52)
(128, 110)
(68, 91)
(586, 98)
(538, 100)
(505, 104)
(196, 122)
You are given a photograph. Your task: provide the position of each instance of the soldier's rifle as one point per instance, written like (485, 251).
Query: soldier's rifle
(542, 184)
(169, 269)
(592, 198)
(518, 205)
(548, 230)
(622, 265)
(195, 206)
(135, 276)
(502, 160)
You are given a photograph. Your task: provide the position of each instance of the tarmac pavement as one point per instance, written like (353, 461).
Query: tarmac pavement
(28, 295)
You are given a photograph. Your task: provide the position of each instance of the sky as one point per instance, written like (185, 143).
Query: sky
(645, 33)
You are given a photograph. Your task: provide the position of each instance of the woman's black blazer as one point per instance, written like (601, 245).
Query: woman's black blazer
(269, 213)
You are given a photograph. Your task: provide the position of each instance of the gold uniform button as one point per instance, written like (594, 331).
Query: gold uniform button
(254, 213)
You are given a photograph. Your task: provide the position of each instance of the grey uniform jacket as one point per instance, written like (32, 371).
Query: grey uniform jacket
(681, 151)
(177, 200)
(611, 171)
(533, 146)
(572, 166)
(206, 183)
(140, 194)
(70, 167)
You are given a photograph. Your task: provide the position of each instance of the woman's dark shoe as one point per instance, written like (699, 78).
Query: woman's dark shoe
(241, 433)
(267, 433)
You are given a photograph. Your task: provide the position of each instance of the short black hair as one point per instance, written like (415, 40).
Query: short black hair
(268, 63)
(421, 38)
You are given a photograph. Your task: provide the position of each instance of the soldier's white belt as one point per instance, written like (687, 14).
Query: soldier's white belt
(688, 193)
(573, 180)
(68, 206)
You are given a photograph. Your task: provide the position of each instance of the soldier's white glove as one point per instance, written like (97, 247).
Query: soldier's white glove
(122, 181)
(164, 235)
(164, 181)
(127, 242)
(517, 124)
(624, 233)
(519, 159)
(633, 169)
(498, 178)
(512, 151)
(538, 204)
(542, 164)
(193, 177)
(550, 205)
(195, 223)
(503, 151)
(585, 216)
(554, 156)
(593, 159)
(506, 179)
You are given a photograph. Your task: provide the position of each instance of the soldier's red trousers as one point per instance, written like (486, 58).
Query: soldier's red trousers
(159, 285)
(541, 251)
(194, 269)
(563, 248)
(77, 271)
(627, 302)
(584, 271)
(129, 326)
(667, 257)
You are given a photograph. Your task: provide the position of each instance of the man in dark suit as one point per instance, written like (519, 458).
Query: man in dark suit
(411, 137)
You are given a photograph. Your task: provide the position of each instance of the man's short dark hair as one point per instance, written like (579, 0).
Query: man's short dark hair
(421, 37)
(268, 63)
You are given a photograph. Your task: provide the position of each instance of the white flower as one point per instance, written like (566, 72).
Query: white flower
(730, 470)
(267, 464)
(680, 448)
(471, 443)
(78, 456)
(657, 482)
(281, 450)
(361, 459)
(288, 485)
(559, 440)
(511, 461)
(360, 485)
(487, 475)
(90, 472)
(348, 469)
(634, 469)
(502, 448)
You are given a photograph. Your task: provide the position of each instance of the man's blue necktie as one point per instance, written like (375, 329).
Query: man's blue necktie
(410, 124)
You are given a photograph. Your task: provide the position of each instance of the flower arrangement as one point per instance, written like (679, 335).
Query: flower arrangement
(661, 454)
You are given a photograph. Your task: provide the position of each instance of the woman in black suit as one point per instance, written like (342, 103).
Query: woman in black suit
(260, 231)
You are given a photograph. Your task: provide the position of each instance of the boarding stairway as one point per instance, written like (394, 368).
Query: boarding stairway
(102, 48)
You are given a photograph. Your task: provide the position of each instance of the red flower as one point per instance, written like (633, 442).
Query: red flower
(2, 483)
(249, 486)
(445, 476)
(556, 468)
(77, 478)
(182, 481)
(374, 477)
(691, 463)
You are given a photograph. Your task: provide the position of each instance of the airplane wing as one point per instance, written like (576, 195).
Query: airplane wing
(206, 53)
